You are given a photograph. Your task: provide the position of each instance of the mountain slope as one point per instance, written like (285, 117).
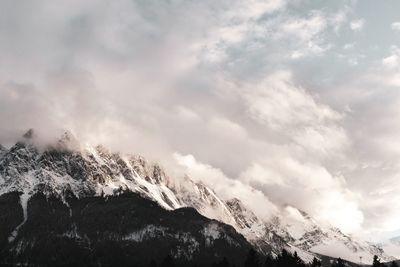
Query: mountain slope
(303, 232)
(123, 230)
(85, 172)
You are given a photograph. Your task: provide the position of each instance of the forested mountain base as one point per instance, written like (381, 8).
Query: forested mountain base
(123, 230)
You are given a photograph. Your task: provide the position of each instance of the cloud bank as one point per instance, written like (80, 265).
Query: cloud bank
(278, 102)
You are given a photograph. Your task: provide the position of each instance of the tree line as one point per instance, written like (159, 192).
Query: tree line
(284, 259)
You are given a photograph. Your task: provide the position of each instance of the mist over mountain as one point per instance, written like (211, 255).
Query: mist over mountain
(83, 198)
(294, 99)
(275, 121)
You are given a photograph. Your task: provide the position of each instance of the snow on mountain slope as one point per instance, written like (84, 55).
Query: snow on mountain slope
(392, 247)
(204, 200)
(292, 229)
(254, 229)
(303, 232)
(88, 171)
(295, 230)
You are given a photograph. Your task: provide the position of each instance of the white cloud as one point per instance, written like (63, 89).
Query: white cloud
(224, 127)
(186, 113)
(396, 26)
(278, 102)
(227, 187)
(339, 18)
(306, 32)
(309, 187)
(305, 28)
(357, 25)
(348, 46)
(253, 9)
(392, 61)
(280, 105)
(389, 74)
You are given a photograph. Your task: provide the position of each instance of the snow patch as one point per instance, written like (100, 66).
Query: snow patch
(72, 233)
(211, 232)
(23, 198)
(307, 257)
(148, 232)
(189, 247)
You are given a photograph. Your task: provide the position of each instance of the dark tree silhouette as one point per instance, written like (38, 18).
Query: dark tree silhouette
(252, 259)
(223, 263)
(338, 263)
(269, 262)
(283, 259)
(286, 259)
(168, 262)
(297, 261)
(376, 262)
(394, 264)
(316, 263)
(153, 263)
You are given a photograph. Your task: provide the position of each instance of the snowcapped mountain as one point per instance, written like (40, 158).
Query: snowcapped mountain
(85, 171)
(392, 247)
(303, 232)
(87, 207)
(69, 171)
(203, 199)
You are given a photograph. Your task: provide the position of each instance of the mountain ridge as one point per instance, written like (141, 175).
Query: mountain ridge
(68, 168)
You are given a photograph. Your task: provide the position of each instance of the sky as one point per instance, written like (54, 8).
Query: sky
(277, 102)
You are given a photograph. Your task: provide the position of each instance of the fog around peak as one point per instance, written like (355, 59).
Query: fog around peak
(294, 100)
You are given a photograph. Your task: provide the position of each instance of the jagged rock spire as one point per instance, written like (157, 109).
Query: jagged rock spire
(29, 134)
(3, 150)
(68, 141)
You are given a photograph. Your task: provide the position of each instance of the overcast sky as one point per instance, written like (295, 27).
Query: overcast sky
(296, 99)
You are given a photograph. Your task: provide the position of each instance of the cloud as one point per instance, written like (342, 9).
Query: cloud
(392, 61)
(227, 187)
(395, 26)
(348, 46)
(357, 25)
(388, 73)
(371, 168)
(260, 93)
(280, 105)
(339, 18)
(307, 186)
(225, 127)
(307, 33)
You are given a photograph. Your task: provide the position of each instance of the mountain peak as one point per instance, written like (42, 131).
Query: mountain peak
(68, 141)
(234, 201)
(29, 134)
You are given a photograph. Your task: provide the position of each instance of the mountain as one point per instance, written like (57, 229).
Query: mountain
(69, 176)
(392, 247)
(65, 207)
(302, 231)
